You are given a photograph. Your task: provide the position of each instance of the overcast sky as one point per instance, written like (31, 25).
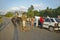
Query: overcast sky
(7, 5)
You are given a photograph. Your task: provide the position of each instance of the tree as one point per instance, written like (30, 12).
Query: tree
(47, 12)
(9, 14)
(36, 13)
(30, 11)
(47, 8)
(56, 11)
(42, 13)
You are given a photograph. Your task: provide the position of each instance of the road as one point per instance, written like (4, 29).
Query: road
(13, 33)
(5, 22)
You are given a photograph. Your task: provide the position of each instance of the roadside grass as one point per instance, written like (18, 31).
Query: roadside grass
(1, 20)
(9, 17)
(0, 26)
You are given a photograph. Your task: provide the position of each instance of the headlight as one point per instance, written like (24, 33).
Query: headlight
(56, 24)
(59, 24)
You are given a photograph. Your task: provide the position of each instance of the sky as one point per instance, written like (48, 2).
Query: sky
(23, 5)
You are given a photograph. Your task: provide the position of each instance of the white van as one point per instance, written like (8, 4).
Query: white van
(51, 23)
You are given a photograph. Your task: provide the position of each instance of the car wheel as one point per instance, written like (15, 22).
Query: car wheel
(51, 29)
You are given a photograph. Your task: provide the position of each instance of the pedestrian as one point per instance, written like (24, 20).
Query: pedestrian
(14, 21)
(41, 21)
(32, 22)
(18, 18)
(28, 22)
(24, 18)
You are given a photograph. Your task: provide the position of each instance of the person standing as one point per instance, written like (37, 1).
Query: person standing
(32, 22)
(24, 18)
(41, 21)
(14, 21)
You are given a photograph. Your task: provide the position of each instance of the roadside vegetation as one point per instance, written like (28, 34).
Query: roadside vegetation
(0, 19)
(9, 14)
(31, 12)
(46, 12)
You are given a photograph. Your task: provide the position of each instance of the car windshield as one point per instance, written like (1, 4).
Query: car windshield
(52, 20)
(47, 20)
(58, 20)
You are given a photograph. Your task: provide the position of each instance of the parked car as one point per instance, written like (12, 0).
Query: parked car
(57, 19)
(51, 24)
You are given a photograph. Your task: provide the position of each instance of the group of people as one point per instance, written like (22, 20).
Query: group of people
(30, 21)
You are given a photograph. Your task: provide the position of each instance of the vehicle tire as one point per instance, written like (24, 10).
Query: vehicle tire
(51, 29)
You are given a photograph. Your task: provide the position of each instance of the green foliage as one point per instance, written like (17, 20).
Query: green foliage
(41, 13)
(47, 12)
(36, 13)
(1, 20)
(31, 8)
(9, 14)
(0, 17)
(30, 12)
(50, 12)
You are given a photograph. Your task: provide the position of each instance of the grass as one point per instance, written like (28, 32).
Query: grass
(0, 20)
(0, 26)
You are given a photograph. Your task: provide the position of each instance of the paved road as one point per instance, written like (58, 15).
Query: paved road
(12, 33)
(5, 22)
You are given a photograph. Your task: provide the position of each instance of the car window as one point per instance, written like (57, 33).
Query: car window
(52, 20)
(47, 20)
(58, 20)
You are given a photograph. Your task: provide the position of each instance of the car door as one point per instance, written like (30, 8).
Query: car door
(53, 21)
(46, 23)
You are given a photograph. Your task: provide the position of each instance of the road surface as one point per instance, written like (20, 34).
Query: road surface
(10, 32)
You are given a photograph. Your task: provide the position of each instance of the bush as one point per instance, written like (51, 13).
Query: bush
(9, 14)
(1, 20)
(0, 17)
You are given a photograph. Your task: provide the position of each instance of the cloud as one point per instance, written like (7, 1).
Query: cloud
(13, 9)
(2, 12)
(21, 8)
(39, 6)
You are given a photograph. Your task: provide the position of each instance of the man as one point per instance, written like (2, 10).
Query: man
(41, 21)
(24, 18)
(15, 19)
